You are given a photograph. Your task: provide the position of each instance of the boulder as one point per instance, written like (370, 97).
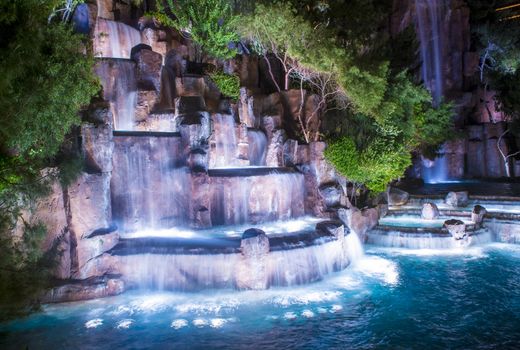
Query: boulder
(477, 214)
(146, 101)
(97, 147)
(290, 152)
(397, 196)
(156, 39)
(89, 203)
(195, 130)
(190, 86)
(83, 290)
(322, 169)
(456, 228)
(430, 211)
(253, 270)
(189, 104)
(104, 264)
(275, 149)
(98, 113)
(457, 199)
(331, 194)
(359, 221)
(88, 249)
(149, 66)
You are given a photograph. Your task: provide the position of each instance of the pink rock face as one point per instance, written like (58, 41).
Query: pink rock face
(149, 66)
(156, 39)
(90, 255)
(97, 147)
(89, 203)
(85, 290)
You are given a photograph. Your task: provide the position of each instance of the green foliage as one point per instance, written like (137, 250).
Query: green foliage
(24, 272)
(498, 41)
(45, 78)
(228, 84)
(210, 23)
(375, 166)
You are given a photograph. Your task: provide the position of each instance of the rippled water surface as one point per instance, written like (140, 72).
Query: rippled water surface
(393, 298)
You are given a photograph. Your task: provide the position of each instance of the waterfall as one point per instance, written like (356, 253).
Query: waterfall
(434, 171)
(207, 271)
(429, 22)
(114, 39)
(241, 199)
(257, 147)
(354, 247)
(148, 191)
(118, 78)
(226, 146)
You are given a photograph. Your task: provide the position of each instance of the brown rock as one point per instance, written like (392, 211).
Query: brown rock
(149, 66)
(430, 211)
(253, 270)
(89, 201)
(97, 147)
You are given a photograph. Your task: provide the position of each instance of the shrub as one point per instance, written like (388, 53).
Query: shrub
(228, 84)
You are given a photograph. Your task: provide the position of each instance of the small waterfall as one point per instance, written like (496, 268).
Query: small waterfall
(114, 39)
(398, 239)
(148, 191)
(226, 145)
(180, 272)
(305, 265)
(119, 82)
(192, 272)
(354, 247)
(429, 22)
(241, 199)
(435, 171)
(257, 147)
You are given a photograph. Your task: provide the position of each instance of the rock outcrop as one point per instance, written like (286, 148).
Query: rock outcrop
(252, 270)
(429, 211)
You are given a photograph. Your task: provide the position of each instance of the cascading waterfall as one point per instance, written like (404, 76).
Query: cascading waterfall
(148, 191)
(225, 140)
(354, 247)
(241, 199)
(429, 22)
(207, 271)
(257, 147)
(430, 14)
(435, 171)
(114, 39)
(119, 83)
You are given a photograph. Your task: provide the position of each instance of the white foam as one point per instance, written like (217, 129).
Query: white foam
(200, 322)
(179, 323)
(217, 322)
(124, 324)
(289, 315)
(307, 313)
(336, 308)
(94, 323)
(379, 268)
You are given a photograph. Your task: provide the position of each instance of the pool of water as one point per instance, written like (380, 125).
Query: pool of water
(281, 227)
(392, 298)
(414, 221)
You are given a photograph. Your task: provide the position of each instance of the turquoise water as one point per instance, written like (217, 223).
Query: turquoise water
(393, 298)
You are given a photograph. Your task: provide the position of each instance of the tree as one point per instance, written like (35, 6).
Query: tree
(209, 23)
(45, 79)
(498, 40)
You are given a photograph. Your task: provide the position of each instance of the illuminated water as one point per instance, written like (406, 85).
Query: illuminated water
(392, 298)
